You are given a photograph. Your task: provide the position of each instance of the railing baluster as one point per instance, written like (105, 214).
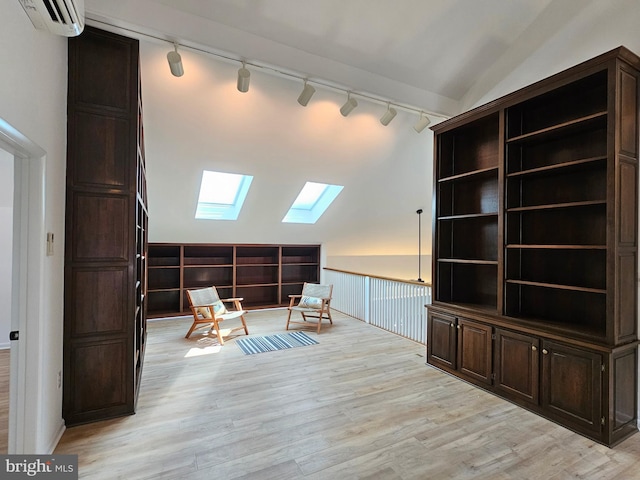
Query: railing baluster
(390, 304)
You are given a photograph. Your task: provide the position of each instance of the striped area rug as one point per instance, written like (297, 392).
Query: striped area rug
(270, 343)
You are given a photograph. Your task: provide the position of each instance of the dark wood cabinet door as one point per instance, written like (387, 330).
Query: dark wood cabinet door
(572, 386)
(441, 340)
(517, 366)
(474, 350)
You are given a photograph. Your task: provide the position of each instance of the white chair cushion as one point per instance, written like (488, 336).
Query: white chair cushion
(218, 308)
(310, 302)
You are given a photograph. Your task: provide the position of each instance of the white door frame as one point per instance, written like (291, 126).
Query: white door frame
(29, 243)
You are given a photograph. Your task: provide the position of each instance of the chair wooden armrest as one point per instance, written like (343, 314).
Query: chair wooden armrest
(236, 303)
(292, 299)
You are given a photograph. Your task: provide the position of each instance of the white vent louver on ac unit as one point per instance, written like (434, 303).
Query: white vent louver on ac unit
(60, 17)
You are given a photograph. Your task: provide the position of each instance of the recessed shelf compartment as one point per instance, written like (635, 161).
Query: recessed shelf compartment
(468, 149)
(559, 186)
(455, 235)
(257, 255)
(580, 99)
(566, 308)
(208, 255)
(595, 121)
(563, 167)
(199, 277)
(467, 283)
(581, 224)
(469, 194)
(256, 274)
(163, 256)
(299, 273)
(546, 152)
(163, 278)
(258, 296)
(165, 301)
(580, 268)
(300, 255)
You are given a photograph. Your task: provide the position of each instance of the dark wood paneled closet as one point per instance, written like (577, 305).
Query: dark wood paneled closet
(106, 229)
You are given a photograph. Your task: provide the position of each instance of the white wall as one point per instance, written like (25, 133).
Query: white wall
(592, 27)
(6, 240)
(200, 121)
(33, 91)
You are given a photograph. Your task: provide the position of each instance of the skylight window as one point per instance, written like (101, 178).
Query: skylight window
(311, 203)
(222, 195)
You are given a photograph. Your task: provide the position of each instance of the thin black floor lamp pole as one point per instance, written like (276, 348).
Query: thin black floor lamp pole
(419, 212)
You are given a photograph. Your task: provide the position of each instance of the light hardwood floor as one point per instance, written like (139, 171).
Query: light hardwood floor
(4, 399)
(361, 404)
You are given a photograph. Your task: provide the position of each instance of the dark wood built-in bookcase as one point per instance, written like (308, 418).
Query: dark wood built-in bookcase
(264, 275)
(467, 206)
(536, 243)
(106, 229)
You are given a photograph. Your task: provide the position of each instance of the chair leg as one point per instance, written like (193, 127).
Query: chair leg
(217, 327)
(193, 327)
(244, 324)
(288, 320)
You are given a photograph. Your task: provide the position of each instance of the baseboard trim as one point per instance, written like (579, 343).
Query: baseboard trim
(56, 439)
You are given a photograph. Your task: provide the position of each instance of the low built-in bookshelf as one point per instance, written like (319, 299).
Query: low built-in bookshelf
(263, 275)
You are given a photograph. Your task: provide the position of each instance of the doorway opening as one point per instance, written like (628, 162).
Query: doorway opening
(27, 264)
(6, 260)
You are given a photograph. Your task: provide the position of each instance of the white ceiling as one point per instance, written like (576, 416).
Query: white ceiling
(422, 53)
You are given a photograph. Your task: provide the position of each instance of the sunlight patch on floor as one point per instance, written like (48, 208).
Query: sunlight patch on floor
(205, 346)
(196, 352)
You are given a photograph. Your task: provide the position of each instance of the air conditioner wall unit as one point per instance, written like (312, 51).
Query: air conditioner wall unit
(60, 17)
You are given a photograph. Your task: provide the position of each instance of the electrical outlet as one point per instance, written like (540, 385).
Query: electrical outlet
(59, 379)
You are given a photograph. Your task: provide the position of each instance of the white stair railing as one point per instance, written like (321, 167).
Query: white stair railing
(394, 305)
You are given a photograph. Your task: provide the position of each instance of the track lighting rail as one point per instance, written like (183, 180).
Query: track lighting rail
(308, 90)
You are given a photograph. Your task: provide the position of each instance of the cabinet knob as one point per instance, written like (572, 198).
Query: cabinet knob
(451, 325)
(545, 351)
(534, 348)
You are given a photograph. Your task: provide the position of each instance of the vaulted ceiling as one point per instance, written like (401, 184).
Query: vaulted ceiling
(424, 53)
